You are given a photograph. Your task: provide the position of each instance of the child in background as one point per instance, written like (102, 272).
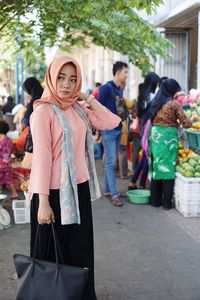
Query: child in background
(6, 147)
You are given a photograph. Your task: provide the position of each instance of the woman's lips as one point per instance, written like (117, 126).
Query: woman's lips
(65, 92)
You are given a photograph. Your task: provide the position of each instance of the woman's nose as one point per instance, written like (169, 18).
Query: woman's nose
(66, 83)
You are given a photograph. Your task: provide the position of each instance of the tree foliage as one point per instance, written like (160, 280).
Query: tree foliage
(113, 24)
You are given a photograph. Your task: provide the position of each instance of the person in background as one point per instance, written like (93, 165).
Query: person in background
(123, 152)
(95, 92)
(6, 149)
(162, 79)
(145, 97)
(135, 135)
(166, 116)
(111, 138)
(7, 108)
(34, 91)
(63, 176)
(123, 147)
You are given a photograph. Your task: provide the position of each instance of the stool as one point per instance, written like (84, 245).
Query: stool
(97, 151)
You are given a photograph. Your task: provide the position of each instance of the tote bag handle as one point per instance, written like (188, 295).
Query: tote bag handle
(56, 248)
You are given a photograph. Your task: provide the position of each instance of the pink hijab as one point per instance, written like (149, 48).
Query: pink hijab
(50, 95)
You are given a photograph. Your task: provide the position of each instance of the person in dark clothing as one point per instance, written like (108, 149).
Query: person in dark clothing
(7, 108)
(34, 89)
(162, 79)
(146, 94)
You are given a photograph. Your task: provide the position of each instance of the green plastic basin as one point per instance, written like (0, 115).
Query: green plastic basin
(138, 196)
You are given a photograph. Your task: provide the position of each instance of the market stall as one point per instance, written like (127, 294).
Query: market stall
(187, 183)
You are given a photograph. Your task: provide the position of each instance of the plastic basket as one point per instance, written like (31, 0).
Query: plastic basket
(186, 185)
(138, 196)
(193, 139)
(21, 212)
(186, 208)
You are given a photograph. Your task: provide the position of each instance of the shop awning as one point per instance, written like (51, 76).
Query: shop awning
(183, 16)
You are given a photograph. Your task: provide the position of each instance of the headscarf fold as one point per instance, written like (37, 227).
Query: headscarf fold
(50, 94)
(167, 91)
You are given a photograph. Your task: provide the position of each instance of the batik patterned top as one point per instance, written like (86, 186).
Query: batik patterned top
(169, 115)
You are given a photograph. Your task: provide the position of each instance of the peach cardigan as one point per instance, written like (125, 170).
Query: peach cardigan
(47, 139)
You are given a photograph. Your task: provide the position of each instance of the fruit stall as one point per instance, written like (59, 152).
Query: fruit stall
(187, 183)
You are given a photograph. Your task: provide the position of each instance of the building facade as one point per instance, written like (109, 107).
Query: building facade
(178, 20)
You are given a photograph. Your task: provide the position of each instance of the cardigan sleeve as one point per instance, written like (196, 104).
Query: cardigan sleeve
(102, 120)
(42, 151)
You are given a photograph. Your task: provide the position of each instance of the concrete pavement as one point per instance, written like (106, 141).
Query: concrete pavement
(141, 253)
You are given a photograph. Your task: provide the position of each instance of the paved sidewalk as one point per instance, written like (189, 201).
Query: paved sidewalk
(141, 253)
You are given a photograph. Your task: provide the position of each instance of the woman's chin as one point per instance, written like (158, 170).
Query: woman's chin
(64, 97)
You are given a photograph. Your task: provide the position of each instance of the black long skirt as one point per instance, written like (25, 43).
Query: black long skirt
(76, 241)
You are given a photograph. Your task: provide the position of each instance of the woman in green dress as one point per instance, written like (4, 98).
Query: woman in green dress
(167, 115)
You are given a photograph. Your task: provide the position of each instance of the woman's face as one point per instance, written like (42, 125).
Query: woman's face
(66, 81)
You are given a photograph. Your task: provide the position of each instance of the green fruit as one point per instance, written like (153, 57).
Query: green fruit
(179, 169)
(188, 174)
(197, 168)
(198, 111)
(197, 174)
(195, 157)
(192, 162)
(187, 167)
(198, 101)
(188, 113)
(184, 165)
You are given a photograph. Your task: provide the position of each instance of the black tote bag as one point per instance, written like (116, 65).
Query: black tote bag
(43, 280)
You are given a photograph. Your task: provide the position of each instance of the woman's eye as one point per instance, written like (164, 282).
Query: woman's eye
(73, 80)
(61, 78)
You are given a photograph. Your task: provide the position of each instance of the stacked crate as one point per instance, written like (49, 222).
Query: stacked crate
(187, 195)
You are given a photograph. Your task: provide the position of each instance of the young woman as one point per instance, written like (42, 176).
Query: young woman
(63, 174)
(34, 91)
(166, 115)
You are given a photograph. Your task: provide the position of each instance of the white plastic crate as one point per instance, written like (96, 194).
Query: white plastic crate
(186, 184)
(21, 212)
(186, 195)
(187, 208)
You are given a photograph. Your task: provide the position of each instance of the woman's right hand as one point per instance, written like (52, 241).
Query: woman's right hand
(45, 212)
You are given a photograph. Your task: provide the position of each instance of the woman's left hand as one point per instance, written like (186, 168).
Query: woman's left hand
(82, 96)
